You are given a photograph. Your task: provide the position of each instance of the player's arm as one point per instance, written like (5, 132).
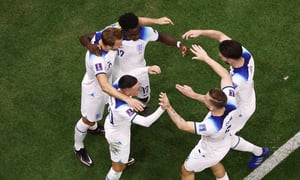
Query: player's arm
(189, 92)
(218, 68)
(148, 120)
(85, 40)
(181, 124)
(144, 21)
(214, 34)
(109, 89)
(171, 41)
(154, 69)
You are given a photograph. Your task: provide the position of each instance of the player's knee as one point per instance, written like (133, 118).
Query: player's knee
(87, 122)
(118, 167)
(185, 172)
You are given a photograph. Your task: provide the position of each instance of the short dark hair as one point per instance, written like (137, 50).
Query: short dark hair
(231, 49)
(127, 81)
(128, 21)
(110, 35)
(218, 97)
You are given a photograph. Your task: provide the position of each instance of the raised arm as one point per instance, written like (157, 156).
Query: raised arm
(109, 89)
(144, 21)
(181, 124)
(214, 34)
(169, 40)
(189, 92)
(219, 69)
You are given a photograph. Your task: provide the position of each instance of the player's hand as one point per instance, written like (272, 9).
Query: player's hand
(191, 34)
(136, 104)
(185, 90)
(164, 20)
(184, 49)
(164, 101)
(154, 69)
(93, 48)
(199, 52)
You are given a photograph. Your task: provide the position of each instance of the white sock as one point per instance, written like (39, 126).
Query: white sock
(80, 133)
(240, 144)
(113, 175)
(224, 177)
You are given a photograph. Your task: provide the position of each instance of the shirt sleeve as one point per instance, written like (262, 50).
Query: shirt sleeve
(205, 128)
(98, 64)
(230, 93)
(148, 120)
(149, 34)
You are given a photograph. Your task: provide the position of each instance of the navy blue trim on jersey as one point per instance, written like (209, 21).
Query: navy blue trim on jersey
(227, 87)
(119, 103)
(134, 117)
(98, 36)
(218, 120)
(103, 53)
(237, 143)
(116, 86)
(143, 33)
(100, 73)
(243, 70)
(195, 127)
(228, 109)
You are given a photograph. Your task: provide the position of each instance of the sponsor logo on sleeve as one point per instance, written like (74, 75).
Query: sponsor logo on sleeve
(231, 93)
(98, 67)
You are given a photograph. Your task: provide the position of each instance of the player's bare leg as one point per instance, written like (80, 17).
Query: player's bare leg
(186, 175)
(219, 172)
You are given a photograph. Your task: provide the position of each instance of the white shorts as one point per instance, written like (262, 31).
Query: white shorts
(92, 103)
(200, 159)
(119, 149)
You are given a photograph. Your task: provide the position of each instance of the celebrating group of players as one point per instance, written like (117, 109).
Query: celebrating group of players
(116, 71)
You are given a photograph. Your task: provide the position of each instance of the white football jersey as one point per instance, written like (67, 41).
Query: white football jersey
(93, 99)
(242, 79)
(214, 129)
(215, 139)
(98, 65)
(131, 53)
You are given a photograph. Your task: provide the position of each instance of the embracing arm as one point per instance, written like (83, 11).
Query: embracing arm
(110, 90)
(85, 40)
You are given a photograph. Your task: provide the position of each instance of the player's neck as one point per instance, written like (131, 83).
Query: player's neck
(102, 46)
(238, 63)
(218, 112)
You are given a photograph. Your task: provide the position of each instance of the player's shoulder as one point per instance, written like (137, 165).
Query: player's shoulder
(246, 53)
(147, 29)
(94, 57)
